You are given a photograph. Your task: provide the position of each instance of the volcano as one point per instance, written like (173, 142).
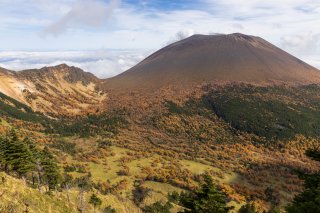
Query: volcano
(216, 58)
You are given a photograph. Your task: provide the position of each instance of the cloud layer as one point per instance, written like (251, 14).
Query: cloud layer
(305, 43)
(149, 25)
(102, 63)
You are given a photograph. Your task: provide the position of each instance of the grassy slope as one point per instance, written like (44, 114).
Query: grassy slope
(107, 167)
(16, 190)
(14, 194)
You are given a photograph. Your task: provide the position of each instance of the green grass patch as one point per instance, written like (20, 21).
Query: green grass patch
(197, 168)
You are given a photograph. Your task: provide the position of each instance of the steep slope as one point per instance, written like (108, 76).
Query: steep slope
(59, 90)
(17, 196)
(9, 85)
(216, 58)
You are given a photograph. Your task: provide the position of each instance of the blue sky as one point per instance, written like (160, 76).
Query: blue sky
(128, 30)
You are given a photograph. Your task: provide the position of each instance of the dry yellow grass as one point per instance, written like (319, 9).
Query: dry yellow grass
(15, 195)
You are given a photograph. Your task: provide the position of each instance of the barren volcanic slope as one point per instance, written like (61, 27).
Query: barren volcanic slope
(61, 90)
(219, 58)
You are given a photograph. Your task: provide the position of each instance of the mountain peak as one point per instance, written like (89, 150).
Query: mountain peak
(240, 36)
(61, 66)
(215, 35)
(69, 73)
(201, 38)
(217, 58)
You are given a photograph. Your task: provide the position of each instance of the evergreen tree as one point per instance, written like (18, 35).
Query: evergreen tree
(248, 208)
(309, 200)
(32, 147)
(274, 210)
(23, 158)
(18, 156)
(207, 199)
(5, 143)
(50, 169)
(95, 201)
(109, 209)
(158, 207)
(3, 147)
(36, 155)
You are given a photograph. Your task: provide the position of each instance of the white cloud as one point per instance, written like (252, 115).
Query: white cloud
(305, 43)
(182, 34)
(314, 61)
(102, 63)
(88, 13)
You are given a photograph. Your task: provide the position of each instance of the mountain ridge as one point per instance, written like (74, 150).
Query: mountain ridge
(58, 90)
(72, 74)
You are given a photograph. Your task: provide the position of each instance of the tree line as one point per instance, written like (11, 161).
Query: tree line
(22, 158)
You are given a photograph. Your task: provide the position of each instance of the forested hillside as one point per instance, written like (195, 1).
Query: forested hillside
(249, 140)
